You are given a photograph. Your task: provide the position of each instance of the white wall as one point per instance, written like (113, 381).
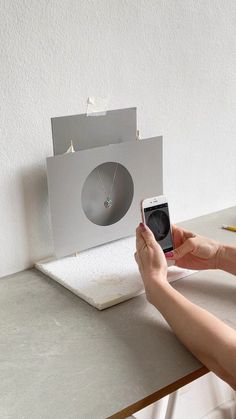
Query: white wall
(173, 59)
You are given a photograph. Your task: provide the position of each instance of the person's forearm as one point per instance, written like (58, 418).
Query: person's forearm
(209, 339)
(226, 259)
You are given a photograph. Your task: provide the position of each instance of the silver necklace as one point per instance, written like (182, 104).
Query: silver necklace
(108, 201)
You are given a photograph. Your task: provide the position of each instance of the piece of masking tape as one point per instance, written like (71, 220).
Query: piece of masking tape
(97, 106)
(71, 148)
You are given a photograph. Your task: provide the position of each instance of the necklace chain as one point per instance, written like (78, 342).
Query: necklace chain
(108, 201)
(113, 181)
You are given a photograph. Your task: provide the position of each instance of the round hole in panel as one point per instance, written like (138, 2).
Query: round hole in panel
(107, 193)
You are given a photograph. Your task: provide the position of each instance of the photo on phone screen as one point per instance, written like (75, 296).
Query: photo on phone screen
(158, 220)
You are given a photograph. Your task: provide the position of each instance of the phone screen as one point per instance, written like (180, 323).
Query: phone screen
(158, 220)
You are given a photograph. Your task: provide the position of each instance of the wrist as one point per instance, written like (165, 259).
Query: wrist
(158, 277)
(226, 260)
(157, 281)
(158, 291)
(220, 256)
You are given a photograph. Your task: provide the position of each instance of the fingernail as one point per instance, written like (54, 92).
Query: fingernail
(142, 226)
(169, 254)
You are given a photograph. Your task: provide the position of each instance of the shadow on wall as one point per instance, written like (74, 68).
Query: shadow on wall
(37, 217)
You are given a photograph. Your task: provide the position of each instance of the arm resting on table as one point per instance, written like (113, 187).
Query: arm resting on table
(208, 338)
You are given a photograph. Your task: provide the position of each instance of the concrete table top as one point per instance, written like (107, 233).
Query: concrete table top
(61, 358)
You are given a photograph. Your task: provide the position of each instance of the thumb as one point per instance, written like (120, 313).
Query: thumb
(147, 234)
(187, 247)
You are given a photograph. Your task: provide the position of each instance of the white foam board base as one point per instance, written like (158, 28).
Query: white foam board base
(103, 276)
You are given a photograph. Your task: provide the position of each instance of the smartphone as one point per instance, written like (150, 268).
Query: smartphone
(155, 214)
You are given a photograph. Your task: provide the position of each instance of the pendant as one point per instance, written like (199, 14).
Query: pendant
(108, 202)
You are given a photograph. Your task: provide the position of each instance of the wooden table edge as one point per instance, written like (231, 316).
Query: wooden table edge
(165, 391)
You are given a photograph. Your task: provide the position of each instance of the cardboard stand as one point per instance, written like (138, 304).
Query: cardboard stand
(95, 194)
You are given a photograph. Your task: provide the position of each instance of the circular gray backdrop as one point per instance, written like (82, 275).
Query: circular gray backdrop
(111, 180)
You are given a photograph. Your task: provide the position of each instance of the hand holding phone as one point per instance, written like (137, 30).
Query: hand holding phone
(155, 214)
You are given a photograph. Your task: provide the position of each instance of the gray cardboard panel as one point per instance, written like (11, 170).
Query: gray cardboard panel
(67, 174)
(115, 126)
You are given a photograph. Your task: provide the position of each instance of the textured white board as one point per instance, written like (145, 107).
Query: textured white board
(103, 276)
